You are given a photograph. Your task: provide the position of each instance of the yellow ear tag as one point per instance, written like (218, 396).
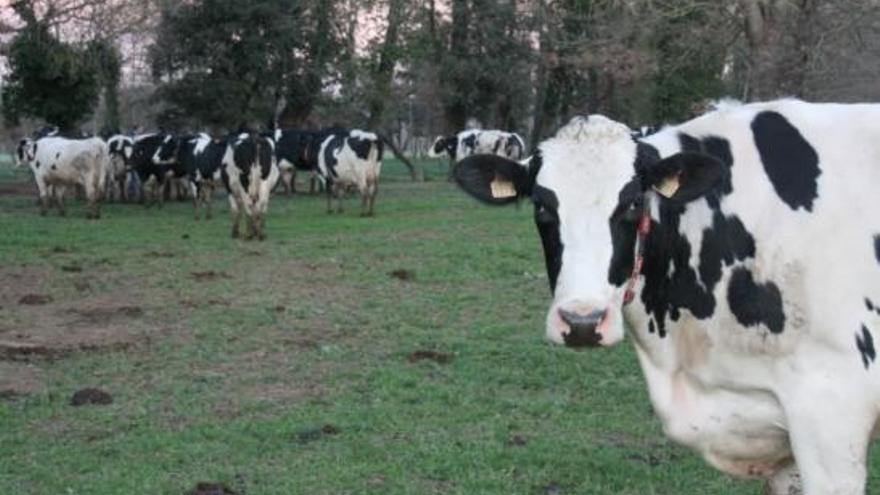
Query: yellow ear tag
(668, 187)
(502, 188)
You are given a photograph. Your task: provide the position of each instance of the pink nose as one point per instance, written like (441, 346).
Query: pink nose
(582, 327)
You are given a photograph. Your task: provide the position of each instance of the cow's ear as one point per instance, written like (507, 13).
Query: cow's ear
(493, 179)
(684, 176)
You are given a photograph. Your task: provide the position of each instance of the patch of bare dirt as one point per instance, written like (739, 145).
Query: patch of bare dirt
(72, 268)
(211, 488)
(404, 275)
(91, 396)
(35, 299)
(437, 357)
(159, 254)
(208, 276)
(34, 330)
(19, 380)
(17, 189)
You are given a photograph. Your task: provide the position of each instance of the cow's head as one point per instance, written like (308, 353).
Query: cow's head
(589, 185)
(167, 151)
(25, 152)
(443, 146)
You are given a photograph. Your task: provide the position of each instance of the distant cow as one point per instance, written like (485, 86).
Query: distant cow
(741, 254)
(351, 159)
(59, 162)
(479, 142)
(202, 157)
(292, 155)
(120, 148)
(249, 172)
(154, 160)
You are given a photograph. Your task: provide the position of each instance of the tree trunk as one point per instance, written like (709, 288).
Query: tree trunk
(384, 72)
(455, 111)
(400, 156)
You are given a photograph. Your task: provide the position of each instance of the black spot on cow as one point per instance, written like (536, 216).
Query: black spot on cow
(361, 147)
(865, 345)
(869, 304)
(752, 303)
(717, 147)
(651, 327)
(790, 161)
(37, 164)
(53, 167)
(58, 155)
(877, 247)
(469, 143)
(330, 151)
(293, 146)
(725, 242)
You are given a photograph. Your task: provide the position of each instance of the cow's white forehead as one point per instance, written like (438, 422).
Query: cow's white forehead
(589, 157)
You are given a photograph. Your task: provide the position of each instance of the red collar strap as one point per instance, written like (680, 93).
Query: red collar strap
(644, 228)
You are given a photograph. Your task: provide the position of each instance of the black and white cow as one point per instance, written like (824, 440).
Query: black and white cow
(154, 160)
(351, 159)
(202, 157)
(58, 163)
(120, 149)
(478, 142)
(249, 172)
(292, 154)
(741, 252)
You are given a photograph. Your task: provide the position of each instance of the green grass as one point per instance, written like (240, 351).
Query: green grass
(233, 379)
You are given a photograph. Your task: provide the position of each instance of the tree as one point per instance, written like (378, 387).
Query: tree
(48, 79)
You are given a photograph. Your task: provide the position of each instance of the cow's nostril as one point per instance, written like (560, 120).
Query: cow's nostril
(582, 327)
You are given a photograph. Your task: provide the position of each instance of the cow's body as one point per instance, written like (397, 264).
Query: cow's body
(154, 160)
(59, 162)
(754, 312)
(351, 159)
(479, 142)
(120, 148)
(202, 158)
(249, 172)
(292, 154)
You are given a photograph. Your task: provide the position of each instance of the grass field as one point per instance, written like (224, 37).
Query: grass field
(401, 354)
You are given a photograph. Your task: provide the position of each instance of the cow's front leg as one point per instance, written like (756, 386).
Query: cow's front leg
(236, 216)
(207, 195)
(59, 200)
(829, 428)
(43, 189)
(785, 482)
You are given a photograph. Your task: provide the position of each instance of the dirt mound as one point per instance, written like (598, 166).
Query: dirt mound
(35, 299)
(91, 396)
(404, 275)
(208, 275)
(437, 357)
(211, 488)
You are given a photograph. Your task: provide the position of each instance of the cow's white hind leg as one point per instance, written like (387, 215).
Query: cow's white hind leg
(785, 482)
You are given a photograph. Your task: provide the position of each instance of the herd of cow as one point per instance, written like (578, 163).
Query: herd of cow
(739, 250)
(248, 164)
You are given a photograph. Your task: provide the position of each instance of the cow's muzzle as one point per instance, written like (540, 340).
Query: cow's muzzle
(582, 328)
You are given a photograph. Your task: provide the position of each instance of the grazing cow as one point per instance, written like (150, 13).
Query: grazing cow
(479, 142)
(59, 162)
(249, 172)
(351, 159)
(154, 160)
(120, 150)
(202, 157)
(729, 247)
(291, 153)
